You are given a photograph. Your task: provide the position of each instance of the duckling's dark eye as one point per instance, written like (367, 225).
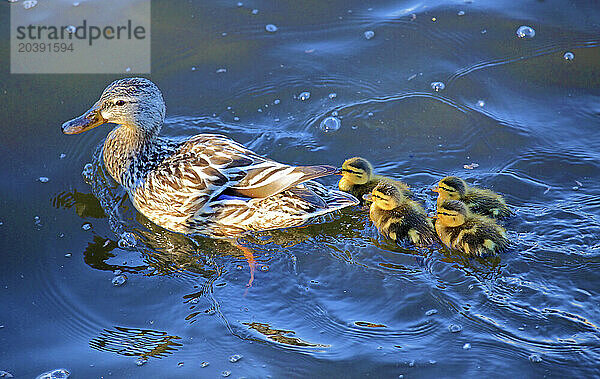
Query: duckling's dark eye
(120, 102)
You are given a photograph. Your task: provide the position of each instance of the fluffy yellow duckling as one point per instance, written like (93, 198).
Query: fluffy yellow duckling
(473, 234)
(478, 200)
(398, 217)
(358, 178)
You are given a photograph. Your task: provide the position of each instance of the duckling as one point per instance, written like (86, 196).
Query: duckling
(471, 233)
(478, 200)
(358, 179)
(398, 217)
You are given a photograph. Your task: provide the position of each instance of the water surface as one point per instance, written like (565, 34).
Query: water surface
(332, 299)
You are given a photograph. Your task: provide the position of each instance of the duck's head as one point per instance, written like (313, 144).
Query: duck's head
(385, 196)
(131, 102)
(452, 213)
(356, 170)
(451, 188)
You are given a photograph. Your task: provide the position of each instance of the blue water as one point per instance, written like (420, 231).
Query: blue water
(332, 299)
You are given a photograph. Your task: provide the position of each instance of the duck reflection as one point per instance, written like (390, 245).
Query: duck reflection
(132, 342)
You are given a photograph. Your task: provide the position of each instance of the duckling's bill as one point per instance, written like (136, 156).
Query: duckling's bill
(88, 120)
(368, 197)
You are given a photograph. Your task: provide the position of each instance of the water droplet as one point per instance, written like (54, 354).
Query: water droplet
(225, 374)
(180, 364)
(411, 363)
(438, 86)
(6, 374)
(271, 28)
(86, 226)
(535, 358)
(431, 312)
(276, 101)
(354, 127)
(127, 240)
(62, 156)
(76, 4)
(59, 373)
(119, 280)
(334, 113)
(68, 255)
(259, 110)
(467, 346)
(330, 124)
(128, 69)
(461, 13)
(29, 4)
(235, 357)
(525, 32)
(236, 118)
(370, 114)
(569, 56)
(432, 361)
(332, 95)
(481, 103)
(43, 179)
(224, 34)
(264, 268)
(304, 96)
(71, 29)
(37, 222)
(254, 11)
(240, 4)
(88, 173)
(369, 34)
(204, 364)
(454, 328)
(221, 71)
(141, 361)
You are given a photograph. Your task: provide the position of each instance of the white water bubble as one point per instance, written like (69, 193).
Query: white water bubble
(141, 361)
(369, 34)
(86, 226)
(461, 13)
(43, 179)
(204, 364)
(438, 86)
(330, 124)
(62, 156)
(59, 373)
(332, 95)
(467, 346)
(127, 240)
(334, 113)
(225, 374)
(454, 328)
(525, 32)
(271, 28)
(29, 4)
(431, 312)
(221, 70)
(88, 172)
(71, 29)
(235, 357)
(480, 103)
(535, 358)
(254, 11)
(569, 56)
(276, 101)
(304, 96)
(76, 4)
(119, 280)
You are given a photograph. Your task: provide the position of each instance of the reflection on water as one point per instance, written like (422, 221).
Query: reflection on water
(141, 343)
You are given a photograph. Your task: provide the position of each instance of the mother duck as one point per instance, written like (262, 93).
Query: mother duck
(207, 184)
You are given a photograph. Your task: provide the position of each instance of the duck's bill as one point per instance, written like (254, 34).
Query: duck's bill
(436, 189)
(368, 197)
(86, 121)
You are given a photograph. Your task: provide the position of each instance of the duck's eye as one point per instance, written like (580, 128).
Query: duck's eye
(120, 102)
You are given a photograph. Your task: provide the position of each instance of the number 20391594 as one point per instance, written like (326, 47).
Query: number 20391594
(38, 47)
